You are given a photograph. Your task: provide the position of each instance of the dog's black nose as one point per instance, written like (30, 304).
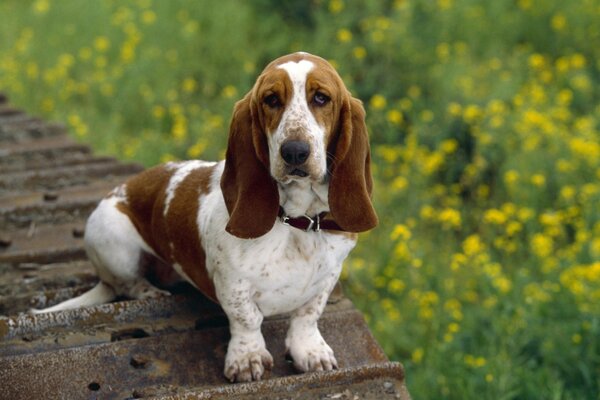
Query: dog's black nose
(295, 152)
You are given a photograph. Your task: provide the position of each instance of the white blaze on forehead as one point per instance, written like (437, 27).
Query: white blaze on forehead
(182, 170)
(298, 71)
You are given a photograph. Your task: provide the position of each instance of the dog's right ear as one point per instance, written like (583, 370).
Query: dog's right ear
(250, 193)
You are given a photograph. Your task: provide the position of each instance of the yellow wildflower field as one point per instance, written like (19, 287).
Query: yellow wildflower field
(483, 277)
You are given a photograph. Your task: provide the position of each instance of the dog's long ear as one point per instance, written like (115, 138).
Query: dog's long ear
(351, 183)
(249, 191)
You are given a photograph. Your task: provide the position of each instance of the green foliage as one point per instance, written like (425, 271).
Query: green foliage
(484, 276)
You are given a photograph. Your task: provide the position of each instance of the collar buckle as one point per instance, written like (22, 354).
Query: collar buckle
(312, 224)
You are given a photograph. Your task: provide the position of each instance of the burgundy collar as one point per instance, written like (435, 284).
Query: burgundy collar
(306, 223)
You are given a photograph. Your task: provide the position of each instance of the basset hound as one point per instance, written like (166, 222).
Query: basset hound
(263, 232)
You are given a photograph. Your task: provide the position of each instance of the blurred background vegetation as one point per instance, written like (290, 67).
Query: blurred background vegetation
(484, 275)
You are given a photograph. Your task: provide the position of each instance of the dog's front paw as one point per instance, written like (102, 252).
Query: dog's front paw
(245, 366)
(311, 354)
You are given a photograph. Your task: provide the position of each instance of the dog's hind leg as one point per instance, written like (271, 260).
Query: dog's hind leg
(116, 250)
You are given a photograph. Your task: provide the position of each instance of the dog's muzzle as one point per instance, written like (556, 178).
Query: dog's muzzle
(295, 153)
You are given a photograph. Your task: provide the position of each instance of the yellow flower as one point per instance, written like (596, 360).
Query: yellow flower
(538, 180)
(396, 286)
(127, 52)
(395, 117)
(510, 177)
(359, 52)
(148, 17)
(449, 146)
(503, 284)
(414, 91)
(541, 245)
(432, 163)
(537, 61)
(565, 97)
(558, 22)
(336, 6)
(427, 212)
(472, 245)
(401, 251)
(444, 4)
(405, 104)
(475, 362)
(344, 35)
(158, 112)
(450, 218)
(41, 6)
(417, 355)
(229, 91)
(378, 102)
(513, 228)
(581, 82)
(494, 216)
(562, 64)
(454, 109)
(189, 85)
(179, 128)
(525, 214)
(568, 192)
(101, 43)
(401, 232)
(426, 115)
(442, 51)
(197, 149)
(577, 61)
(377, 36)
(472, 113)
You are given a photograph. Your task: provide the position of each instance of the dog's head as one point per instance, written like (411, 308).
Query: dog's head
(299, 122)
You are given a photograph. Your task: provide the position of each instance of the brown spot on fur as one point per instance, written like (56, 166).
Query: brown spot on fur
(182, 228)
(146, 194)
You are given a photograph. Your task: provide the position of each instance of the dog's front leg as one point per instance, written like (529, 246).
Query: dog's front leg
(304, 342)
(247, 356)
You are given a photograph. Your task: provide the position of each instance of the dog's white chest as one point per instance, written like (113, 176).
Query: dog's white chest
(289, 267)
(281, 270)
(298, 269)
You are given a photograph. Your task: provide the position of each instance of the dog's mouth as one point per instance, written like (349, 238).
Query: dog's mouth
(298, 172)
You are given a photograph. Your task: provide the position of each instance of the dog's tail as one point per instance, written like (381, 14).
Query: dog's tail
(99, 294)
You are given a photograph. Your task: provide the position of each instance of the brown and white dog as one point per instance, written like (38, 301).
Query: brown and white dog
(264, 232)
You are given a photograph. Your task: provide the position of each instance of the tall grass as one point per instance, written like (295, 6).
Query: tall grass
(484, 276)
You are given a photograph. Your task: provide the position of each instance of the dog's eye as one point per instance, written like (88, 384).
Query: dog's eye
(272, 101)
(321, 99)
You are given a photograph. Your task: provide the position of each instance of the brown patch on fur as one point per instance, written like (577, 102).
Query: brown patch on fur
(351, 183)
(276, 82)
(182, 228)
(146, 195)
(249, 191)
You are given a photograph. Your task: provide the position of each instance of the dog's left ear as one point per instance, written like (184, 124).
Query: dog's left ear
(351, 183)
(250, 193)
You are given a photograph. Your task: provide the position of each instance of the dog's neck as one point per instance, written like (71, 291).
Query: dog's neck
(303, 198)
